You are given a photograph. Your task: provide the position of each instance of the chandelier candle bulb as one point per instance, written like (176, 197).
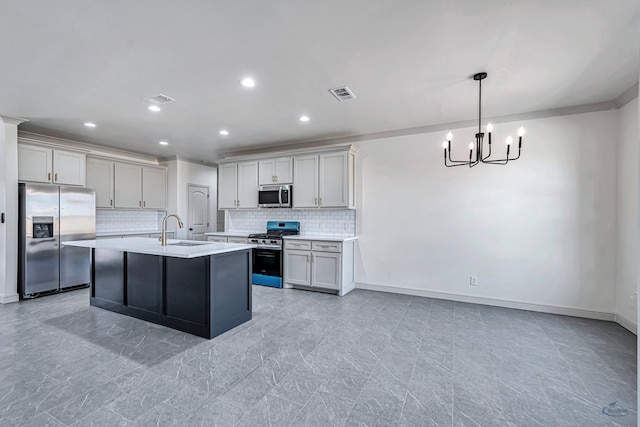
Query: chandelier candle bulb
(449, 136)
(489, 127)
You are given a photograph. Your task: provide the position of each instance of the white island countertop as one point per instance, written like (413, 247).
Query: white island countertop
(326, 238)
(149, 246)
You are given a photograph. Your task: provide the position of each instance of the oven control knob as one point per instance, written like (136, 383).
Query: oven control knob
(274, 242)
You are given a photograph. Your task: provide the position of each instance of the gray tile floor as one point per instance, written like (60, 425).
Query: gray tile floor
(310, 359)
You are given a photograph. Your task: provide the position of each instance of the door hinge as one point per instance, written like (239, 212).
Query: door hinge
(207, 224)
(207, 196)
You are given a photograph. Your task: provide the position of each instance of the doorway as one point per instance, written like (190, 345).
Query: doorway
(198, 211)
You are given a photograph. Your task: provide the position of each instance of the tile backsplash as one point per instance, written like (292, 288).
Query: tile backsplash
(335, 222)
(128, 220)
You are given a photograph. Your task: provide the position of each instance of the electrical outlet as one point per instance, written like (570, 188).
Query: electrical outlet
(473, 280)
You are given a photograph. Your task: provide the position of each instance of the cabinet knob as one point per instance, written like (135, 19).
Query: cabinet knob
(140, 203)
(55, 177)
(49, 176)
(144, 204)
(111, 202)
(321, 200)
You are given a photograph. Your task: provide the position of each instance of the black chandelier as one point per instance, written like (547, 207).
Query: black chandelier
(479, 144)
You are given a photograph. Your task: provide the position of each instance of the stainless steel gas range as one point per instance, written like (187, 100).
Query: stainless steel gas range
(267, 256)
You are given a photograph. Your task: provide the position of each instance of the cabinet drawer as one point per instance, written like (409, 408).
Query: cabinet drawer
(236, 240)
(297, 244)
(216, 239)
(327, 246)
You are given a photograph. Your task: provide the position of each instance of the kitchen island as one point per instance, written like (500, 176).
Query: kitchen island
(202, 288)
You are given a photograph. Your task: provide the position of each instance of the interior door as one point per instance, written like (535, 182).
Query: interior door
(198, 212)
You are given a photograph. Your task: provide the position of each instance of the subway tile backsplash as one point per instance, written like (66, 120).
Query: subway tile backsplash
(338, 222)
(128, 220)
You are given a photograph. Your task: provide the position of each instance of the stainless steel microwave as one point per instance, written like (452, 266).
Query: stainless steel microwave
(274, 196)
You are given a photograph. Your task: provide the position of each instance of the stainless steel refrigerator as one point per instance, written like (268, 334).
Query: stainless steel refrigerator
(50, 215)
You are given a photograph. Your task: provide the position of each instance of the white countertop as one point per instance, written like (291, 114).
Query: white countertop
(321, 237)
(231, 233)
(150, 246)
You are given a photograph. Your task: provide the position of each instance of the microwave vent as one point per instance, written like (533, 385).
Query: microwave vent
(342, 93)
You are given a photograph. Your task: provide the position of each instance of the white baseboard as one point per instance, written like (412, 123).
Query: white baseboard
(626, 323)
(552, 309)
(6, 299)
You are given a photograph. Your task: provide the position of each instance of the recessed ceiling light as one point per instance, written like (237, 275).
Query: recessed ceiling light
(89, 124)
(224, 132)
(247, 82)
(154, 108)
(303, 118)
(163, 143)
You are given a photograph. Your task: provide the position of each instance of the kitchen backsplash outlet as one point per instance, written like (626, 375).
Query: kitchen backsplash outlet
(128, 220)
(339, 222)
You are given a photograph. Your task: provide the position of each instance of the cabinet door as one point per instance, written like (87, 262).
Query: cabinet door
(128, 186)
(69, 168)
(154, 188)
(284, 170)
(326, 270)
(227, 186)
(266, 172)
(34, 163)
(305, 178)
(333, 180)
(248, 185)
(100, 178)
(297, 267)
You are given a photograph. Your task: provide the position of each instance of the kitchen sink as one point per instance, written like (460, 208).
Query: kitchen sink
(187, 244)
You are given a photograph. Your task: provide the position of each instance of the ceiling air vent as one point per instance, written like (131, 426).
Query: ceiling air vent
(342, 93)
(158, 99)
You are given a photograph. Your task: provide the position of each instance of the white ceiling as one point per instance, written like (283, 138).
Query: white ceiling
(409, 63)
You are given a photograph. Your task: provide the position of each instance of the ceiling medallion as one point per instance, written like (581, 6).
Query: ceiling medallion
(479, 143)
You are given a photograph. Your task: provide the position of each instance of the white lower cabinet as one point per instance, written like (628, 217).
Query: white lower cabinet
(322, 265)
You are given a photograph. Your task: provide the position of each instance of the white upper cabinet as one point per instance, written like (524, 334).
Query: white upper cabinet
(228, 186)
(275, 171)
(248, 185)
(128, 185)
(326, 180)
(43, 164)
(100, 178)
(154, 188)
(69, 168)
(140, 186)
(35, 163)
(321, 179)
(238, 185)
(305, 178)
(333, 180)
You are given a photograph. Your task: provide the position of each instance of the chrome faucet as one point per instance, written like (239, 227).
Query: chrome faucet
(163, 238)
